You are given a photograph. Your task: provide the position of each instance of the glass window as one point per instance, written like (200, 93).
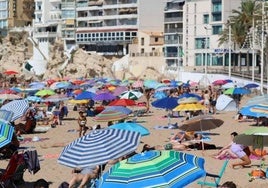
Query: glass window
(216, 30)
(216, 17)
(198, 59)
(217, 7)
(206, 19)
(200, 43)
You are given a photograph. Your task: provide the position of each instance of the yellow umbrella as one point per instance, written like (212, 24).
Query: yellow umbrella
(189, 107)
(78, 101)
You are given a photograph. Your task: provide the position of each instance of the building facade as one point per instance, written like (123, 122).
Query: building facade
(204, 20)
(109, 26)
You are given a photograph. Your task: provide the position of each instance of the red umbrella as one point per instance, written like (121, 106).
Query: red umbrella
(10, 72)
(122, 102)
(219, 82)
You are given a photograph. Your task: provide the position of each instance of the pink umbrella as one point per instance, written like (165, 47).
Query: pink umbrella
(118, 90)
(137, 84)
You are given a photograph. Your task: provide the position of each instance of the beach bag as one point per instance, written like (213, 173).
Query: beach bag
(258, 173)
(168, 146)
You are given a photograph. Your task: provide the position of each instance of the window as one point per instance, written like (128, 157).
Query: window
(142, 42)
(216, 17)
(156, 39)
(142, 50)
(206, 19)
(200, 43)
(216, 30)
(216, 7)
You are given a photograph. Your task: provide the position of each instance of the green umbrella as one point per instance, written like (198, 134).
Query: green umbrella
(45, 92)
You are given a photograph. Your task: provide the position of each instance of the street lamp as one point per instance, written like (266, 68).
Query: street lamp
(230, 55)
(262, 47)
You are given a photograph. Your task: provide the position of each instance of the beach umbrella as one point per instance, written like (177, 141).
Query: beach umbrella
(34, 98)
(190, 95)
(251, 85)
(9, 96)
(122, 102)
(10, 72)
(219, 82)
(236, 90)
(201, 123)
(153, 168)
(262, 99)
(104, 96)
(85, 95)
(98, 147)
(122, 109)
(228, 85)
(78, 101)
(8, 91)
(56, 98)
(256, 137)
(166, 103)
(119, 89)
(112, 115)
(18, 107)
(44, 92)
(5, 115)
(6, 133)
(134, 95)
(138, 83)
(131, 127)
(160, 95)
(37, 85)
(254, 111)
(189, 107)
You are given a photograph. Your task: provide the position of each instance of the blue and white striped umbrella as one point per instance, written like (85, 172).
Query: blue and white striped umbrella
(6, 116)
(98, 147)
(6, 133)
(18, 107)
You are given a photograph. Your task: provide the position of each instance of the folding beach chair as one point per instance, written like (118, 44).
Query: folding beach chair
(216, 177)
(13, 174)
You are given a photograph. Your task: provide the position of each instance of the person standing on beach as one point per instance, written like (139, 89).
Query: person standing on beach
(82, 121)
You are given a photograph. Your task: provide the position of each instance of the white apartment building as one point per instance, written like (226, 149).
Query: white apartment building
(203, 22)
(3, 17)
(109, 26)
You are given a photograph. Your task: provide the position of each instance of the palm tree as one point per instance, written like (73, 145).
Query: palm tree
(240, 22)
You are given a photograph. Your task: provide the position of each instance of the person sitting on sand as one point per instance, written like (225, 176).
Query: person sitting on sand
(83, 175)
(235, 150)
(182, 136)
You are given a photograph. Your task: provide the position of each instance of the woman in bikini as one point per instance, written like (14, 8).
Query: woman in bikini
(82, 121)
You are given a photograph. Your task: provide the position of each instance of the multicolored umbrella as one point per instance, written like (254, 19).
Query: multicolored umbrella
(118, 108)
(122, 102)
(6, 133)
(260, 109)
(131, 127)
(254, 111)
(111, 115)
(189, 107)
(18, 107)
(171, 169)
(134, 95)
(98, 147)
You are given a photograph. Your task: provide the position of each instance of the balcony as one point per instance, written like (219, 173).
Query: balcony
(174, 19)
(173, 30)
(46, 35)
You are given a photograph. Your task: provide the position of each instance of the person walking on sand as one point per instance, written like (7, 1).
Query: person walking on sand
(82, 121)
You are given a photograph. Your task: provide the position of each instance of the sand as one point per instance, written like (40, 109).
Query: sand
(56, 173)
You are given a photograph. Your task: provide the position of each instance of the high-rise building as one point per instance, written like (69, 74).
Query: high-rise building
(108, 26)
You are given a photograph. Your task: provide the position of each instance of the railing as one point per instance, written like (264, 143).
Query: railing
(146, 54)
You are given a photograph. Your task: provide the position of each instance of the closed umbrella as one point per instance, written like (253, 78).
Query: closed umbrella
(153, 168)
(18, 107)
(98, 147)
(131, 127)
(112, 115)
(6, 133)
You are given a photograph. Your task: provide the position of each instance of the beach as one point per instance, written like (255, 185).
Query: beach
(51, 143)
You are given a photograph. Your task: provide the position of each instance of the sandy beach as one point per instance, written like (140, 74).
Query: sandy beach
(63, 134)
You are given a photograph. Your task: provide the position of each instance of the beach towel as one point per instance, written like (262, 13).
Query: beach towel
(28, 140)
(253, 157)
(41, 129)
(171, 126)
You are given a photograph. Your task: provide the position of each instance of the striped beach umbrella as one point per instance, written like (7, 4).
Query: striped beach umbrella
(5, 115)
(111, 115)
(134, 95)
(155, 169)
(18, 107)
(6, 133)
(98, 147)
